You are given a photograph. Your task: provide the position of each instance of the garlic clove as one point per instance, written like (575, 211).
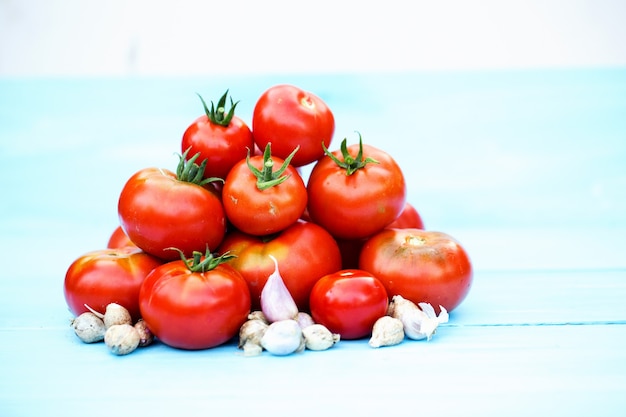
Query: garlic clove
(418, 324)
(145, 335)
(283, 337)
(251, 332)
(122, 339)
(318, 337)
(304, 319)
(89, 327)
(276, 301)
(387, 331)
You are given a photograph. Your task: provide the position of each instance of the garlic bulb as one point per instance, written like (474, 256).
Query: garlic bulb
(89, 327)
(250, 335)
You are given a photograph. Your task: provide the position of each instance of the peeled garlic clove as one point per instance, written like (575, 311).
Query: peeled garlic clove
(387, 331)
(276, 301)
(89, 328)
(283, 338)
(318, 337)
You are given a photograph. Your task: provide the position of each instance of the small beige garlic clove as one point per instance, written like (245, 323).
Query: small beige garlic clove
(89, 327)
(387, 331)
(251, 332)
(318, 337)
(122, 339)
(418, 324)
(258, 315)
(116, 314)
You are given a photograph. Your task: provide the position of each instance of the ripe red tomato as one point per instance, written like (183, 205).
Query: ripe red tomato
(289, 117)
(349, 302)
(107, 276)
(221, 137)
(419, 265)
(119, 239)
(356, 191)
(409, 218)
(190, 306)
(259, 199)
(159, 209)
(304, 251)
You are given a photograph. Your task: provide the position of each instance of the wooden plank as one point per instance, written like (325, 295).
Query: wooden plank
(570, 370)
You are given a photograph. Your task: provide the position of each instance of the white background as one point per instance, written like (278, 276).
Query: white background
(187, 37)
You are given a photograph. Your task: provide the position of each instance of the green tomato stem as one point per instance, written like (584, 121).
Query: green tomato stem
(268, 178)
(350, 164)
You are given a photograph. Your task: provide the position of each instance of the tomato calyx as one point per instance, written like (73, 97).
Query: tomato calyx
(203, 262)
(189, 171)
(217, 115)
(350, 164)
(268, 178)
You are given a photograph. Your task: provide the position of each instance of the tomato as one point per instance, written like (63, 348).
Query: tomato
(159, 209)
(119, 239)
(349, 302)
(289, 117)
(419, 265)
(194, 304)
(260, 200)
(102, 277)
(409, 218)
(356, 191)
(304, 251)
(221, 137)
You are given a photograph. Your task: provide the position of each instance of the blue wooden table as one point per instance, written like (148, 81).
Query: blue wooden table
(527, 169)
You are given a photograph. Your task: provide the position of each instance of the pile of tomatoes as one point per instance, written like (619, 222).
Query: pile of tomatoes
(192, 252)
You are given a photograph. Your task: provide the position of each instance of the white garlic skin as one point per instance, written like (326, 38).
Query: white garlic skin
(318, 337)
(122, 339)
(283, 337)
(418, 324)
(304, 319)
(89, 328)
(387, 331)
(251, 331)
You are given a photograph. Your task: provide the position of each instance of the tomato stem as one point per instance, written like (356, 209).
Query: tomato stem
(203, 262)
(268, 177)
(350, 164)
(217, 115)
(189, 171)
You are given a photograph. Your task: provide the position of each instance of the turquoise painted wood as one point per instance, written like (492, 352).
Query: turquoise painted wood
(526, 168)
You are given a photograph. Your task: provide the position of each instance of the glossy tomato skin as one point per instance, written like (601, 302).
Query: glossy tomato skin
(194, 310)
(409, 218)
(304, 251)
(288, 116)
(262, 212)
(349, 302)
(157, 212)
(119, 239)
(221, 146)
(107, 276)
(422, 266)
(358, 205)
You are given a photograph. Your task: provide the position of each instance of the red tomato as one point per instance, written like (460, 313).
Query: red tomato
(261, 200)
(409, 218)
(421, 266)
(289, 117)
(159, 210)
(355, 191)
(119, 239)
(304, 251)
(349, 302)
(191, 307)
(222, 138)
(107, 276)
